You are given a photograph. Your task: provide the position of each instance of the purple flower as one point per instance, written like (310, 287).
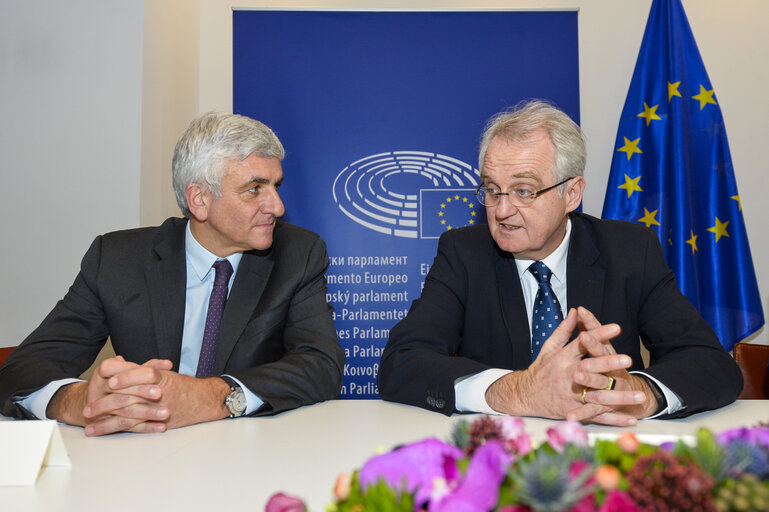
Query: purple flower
(284, 503)
(479, 490)
(413, 467)
(755, 435)
(566, 432)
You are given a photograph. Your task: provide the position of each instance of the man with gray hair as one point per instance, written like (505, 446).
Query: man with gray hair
(220, 314)
(491, 332)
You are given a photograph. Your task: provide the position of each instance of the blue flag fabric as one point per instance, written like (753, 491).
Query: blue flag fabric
(672, 171)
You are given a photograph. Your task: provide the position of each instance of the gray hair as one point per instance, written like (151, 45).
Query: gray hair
(526, 118)
(210, 140)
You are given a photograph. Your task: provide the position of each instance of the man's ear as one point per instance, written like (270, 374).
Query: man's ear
(574, 190)
(198, 201)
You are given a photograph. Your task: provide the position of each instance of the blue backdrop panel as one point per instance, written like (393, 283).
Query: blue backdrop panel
(381, 114)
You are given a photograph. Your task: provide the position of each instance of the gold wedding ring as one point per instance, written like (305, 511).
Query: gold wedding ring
(612, 383)
(583, 395)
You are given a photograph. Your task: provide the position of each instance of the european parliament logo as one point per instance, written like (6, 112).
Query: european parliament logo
(409, 194)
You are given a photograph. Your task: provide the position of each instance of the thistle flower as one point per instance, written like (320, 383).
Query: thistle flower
(545, 483)
(743, 457)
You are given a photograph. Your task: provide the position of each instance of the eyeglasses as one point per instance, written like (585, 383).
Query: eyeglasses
(521, 196)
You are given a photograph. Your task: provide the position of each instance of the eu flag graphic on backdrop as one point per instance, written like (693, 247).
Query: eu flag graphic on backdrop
(672, 171)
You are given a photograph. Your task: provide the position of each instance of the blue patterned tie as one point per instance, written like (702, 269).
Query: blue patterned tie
(214, 318)
(546, 314)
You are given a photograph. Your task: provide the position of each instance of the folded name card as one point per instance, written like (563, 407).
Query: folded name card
(28, 446)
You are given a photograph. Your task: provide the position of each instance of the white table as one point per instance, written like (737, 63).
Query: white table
(242, 462)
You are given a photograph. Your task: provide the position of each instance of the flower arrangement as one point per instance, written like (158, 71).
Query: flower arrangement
(491, 465)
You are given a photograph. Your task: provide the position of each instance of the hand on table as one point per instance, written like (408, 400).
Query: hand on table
(123, 396)
(629, 398)
(546, 388)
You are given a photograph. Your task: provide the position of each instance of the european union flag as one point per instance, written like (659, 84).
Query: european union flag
(672, 171)
(445, 209)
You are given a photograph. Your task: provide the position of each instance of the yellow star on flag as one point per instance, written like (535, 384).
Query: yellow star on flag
(739, 203)
(705, 97)
(720, 229)
(649, 219)
(440, 214)
(673, 90)
(456, 197)
(631, 185)
(650, 113)
(693, 241)
(630, 147)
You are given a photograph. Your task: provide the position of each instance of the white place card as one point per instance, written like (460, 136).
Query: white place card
(28, 446)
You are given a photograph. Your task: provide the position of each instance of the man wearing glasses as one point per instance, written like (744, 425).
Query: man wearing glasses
(491, 332)
(220, 314)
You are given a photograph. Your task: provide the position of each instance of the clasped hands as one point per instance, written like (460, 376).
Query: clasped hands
(585, 380)
(124, 396)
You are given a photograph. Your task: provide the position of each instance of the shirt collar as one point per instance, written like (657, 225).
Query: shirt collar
(555, 261)
(201, 259)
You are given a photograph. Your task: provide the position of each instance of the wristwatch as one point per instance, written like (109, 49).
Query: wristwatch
(235, 401)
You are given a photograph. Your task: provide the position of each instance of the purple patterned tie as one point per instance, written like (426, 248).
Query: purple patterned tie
(214, 318)
(546, 314)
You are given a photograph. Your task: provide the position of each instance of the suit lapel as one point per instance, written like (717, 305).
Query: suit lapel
(584, 278)
(167, 282)
(252, 276)
(513, 311)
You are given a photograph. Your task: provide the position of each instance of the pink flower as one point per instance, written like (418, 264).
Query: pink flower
(513, 431)
(566, 432)
(576, 469)
(284, 503)
(607, 477)
(618, 501)
(628, 442)
(342, 486)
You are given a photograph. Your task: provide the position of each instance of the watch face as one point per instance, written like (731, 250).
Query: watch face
(239, 401)
(236, 402)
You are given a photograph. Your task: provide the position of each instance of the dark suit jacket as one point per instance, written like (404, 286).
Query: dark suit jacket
(471, 317)
(277, 335)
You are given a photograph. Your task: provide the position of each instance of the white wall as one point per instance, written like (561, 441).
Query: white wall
(70, 144)
(94, 94)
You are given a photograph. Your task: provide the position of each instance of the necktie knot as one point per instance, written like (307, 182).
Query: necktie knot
(223, 272)
(540, 272)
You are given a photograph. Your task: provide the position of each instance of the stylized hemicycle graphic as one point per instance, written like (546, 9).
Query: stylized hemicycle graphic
(395, 193)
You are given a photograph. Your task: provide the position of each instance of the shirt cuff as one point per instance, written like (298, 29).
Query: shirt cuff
(37, 402)
(470, 392)
(253, 402)
(673, 402)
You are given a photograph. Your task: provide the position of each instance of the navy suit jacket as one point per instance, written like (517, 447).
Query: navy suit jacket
(472, 317)
(277, 335)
